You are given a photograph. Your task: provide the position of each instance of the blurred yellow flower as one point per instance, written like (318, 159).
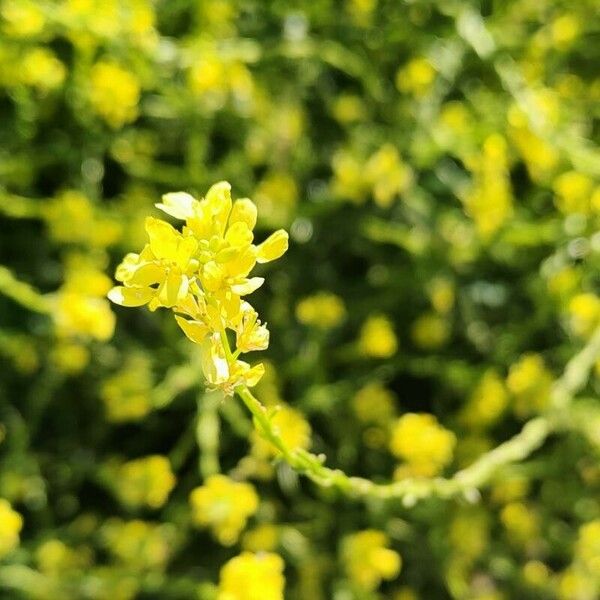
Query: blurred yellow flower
(252, 577)
(387, 175)
(565, 30)
(442, 295)
(367, 560)
(22, 19)
(139, 544)
(41, 69)
(489, 200)
(530, 382)
(521, 522)
(416, 77)
(488, 401)
(11, 524)
(373, 403)
(79, 307)
(419, 440)
(263, 538)
(584, 313)
(573, 192)
(322, 310)
(223, 505)
(114, 93)
(144, 481)
(587, 549)
(377, 338)
(430, 331)
(55, 557)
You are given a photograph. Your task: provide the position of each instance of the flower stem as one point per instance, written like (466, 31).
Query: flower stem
(465, 482)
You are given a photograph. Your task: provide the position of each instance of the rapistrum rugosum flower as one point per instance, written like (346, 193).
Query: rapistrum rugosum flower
(202, 274)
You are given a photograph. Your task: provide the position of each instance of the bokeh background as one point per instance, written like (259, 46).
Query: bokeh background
(434, 162)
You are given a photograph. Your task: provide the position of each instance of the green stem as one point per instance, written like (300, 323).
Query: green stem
(465, 482)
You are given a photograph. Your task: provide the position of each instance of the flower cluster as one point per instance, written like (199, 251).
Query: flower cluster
(368, 560)
(202, 275)
(11, 523)
(224, 505)
(252, 577)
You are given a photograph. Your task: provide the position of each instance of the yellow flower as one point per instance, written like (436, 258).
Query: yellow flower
(422, 442)
(530, 382)
(322, 310)
(263, 538)
(23, 19)
(11, 524)
(416, 77)
(367, 559)
(565, 30)
(489, 200)
(69, 357)
(573, 192)
(252, 577)
(441, 293)
(145, 481)
(387, 175)
(487, 402)
(521, 522)
(201, 274)
(79, 307)
(430, 331)
(587, 550)
(139, 544)
(584, 313)
(72, 218)
(41, 69)
(291, 426)
(114, 93)
(223, 505)
(374, 404)
(349, 182)
(377, 338)
(55, 557)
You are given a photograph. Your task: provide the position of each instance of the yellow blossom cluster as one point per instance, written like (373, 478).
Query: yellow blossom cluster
(223, 505)
(373, 403)
(424, 445)
(11, 523)
(530, 382)
(144, 481)
(487, 402)
(114, 93)
(322, 310)
(202, 275)
(138, 543)
(377, 338)
(368, 560)
(383, 174)
(489, 201)
(79, 307)
(252, 577)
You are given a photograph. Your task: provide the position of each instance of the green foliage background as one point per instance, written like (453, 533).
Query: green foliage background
(434, 162)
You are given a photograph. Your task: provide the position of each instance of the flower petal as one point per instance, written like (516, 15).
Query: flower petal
(130, 296)
(178, 204)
